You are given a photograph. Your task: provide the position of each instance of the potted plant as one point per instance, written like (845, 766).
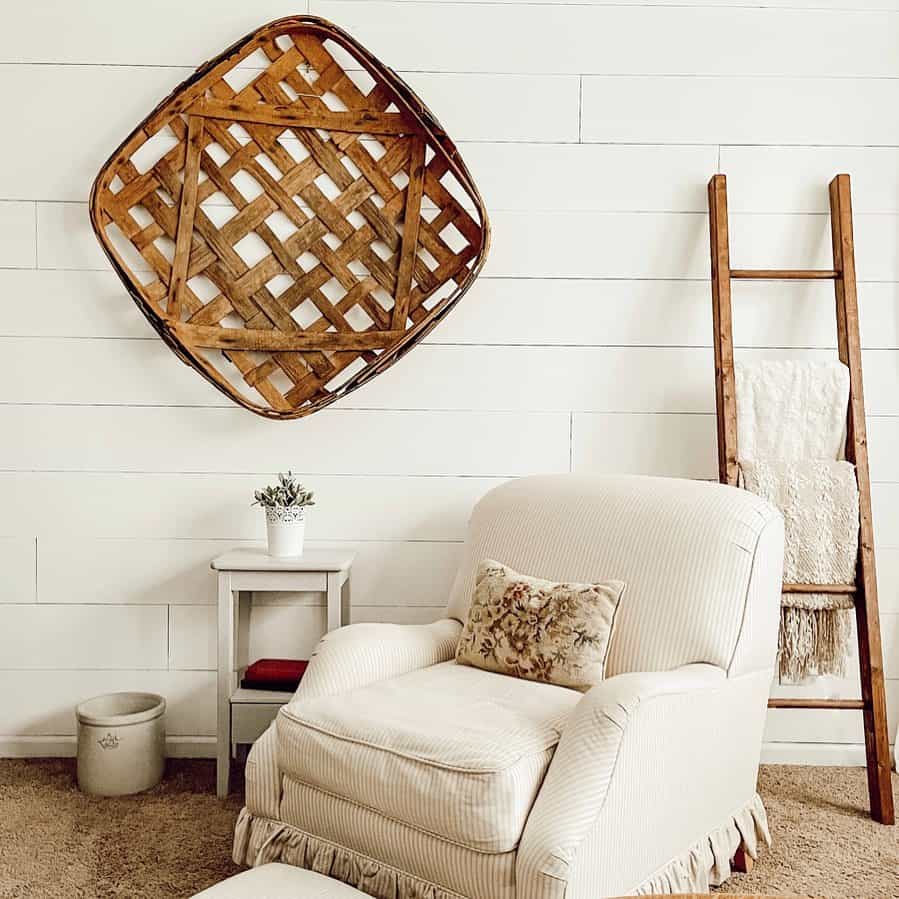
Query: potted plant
(285, 514)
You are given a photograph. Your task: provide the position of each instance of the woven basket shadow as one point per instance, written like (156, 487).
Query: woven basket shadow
(292, 219)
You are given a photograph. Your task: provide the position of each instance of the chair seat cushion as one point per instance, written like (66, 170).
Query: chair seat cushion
(456, 751)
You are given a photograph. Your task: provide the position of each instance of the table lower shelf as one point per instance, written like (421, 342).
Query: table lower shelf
(252, 711)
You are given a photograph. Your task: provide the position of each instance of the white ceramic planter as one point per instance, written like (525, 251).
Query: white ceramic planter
(286, 530)
(121, 743)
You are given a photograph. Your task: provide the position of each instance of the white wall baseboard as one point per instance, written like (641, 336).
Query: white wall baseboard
(64, 746)
(852, 754)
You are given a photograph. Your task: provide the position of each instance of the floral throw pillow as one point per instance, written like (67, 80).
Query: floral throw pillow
(537, 629)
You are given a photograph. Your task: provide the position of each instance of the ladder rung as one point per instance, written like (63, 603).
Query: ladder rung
(819, 588)
(775, 274)
(816, 704)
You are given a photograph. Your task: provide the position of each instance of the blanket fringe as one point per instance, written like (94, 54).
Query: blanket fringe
(813, 642)
(707, 863)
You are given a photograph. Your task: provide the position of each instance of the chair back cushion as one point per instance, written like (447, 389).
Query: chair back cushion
(694, 555)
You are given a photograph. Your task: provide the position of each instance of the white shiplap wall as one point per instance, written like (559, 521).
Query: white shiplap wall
(592, 129)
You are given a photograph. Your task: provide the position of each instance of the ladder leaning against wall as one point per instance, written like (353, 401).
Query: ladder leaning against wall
(873, 698)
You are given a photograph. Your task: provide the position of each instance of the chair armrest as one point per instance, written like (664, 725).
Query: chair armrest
(660, 710)
(361, 654)
(346, 658)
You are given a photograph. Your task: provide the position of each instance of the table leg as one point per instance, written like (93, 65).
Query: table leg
(346, 602)
(225, 666)
(335, 610)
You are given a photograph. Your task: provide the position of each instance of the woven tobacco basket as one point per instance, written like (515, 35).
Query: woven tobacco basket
(292, 219)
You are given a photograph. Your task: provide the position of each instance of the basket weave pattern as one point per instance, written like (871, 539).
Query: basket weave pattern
(294, 236)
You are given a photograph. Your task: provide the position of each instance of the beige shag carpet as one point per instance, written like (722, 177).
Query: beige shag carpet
(56, 843)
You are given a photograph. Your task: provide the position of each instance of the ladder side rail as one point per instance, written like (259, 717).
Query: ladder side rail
(870, 650)
(722, 323)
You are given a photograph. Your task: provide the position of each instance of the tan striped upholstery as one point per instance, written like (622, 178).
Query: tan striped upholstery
(456, 751)
(448, 865)
(685, 550)
(411, 777)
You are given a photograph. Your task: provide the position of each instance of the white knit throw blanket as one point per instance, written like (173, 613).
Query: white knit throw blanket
(791, 434)
(791, 409)
(819, 503)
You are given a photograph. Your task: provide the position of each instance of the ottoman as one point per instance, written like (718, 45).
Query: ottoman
(277, 881)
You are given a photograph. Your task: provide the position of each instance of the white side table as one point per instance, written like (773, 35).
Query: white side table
(244, 714)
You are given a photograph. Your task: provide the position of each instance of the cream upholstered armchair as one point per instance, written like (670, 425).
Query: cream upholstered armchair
(409, 776)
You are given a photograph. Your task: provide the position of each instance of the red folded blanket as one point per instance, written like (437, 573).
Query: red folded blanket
(274, 674)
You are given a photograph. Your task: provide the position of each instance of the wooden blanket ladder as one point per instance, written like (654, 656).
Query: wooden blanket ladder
(873, 700)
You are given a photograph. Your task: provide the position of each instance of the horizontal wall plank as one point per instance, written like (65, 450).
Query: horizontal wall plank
(758, 111)
(332, 442)
(797, 241)
(613, 379)
(18, 563)
(661, 313)
(611, 39)
(685, 445)
(142, 372)
(69, 304)
(552, 311)
(159, 571)
(647, 444)
(564, 244)
(512, 378)
(176, 572)
(666, 245)
(435, 377)
(795, 179)
(77, 569)
(560, 38)
(71, 33)
(17, 235)
(589, 245)
(536, 177)
(218, 506)
(215, 507)
(108, 102)
(43, 702)
(85, 636)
